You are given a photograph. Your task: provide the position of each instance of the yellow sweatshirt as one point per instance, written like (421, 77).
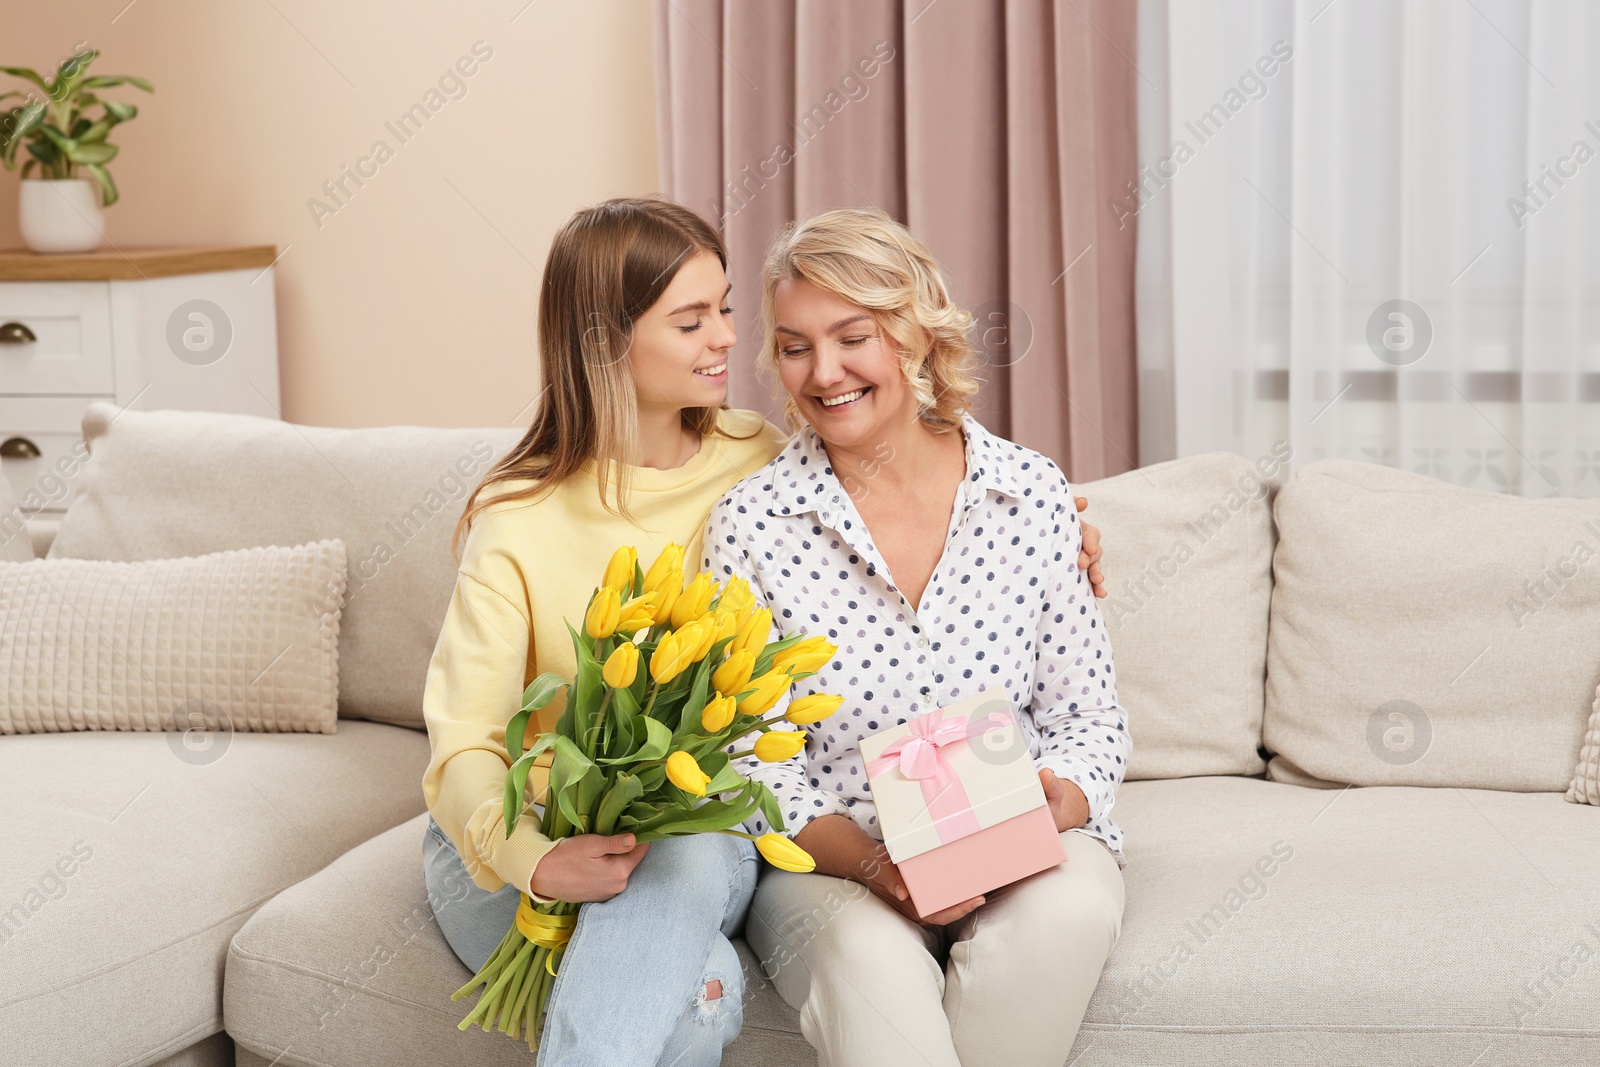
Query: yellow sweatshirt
(528, 567)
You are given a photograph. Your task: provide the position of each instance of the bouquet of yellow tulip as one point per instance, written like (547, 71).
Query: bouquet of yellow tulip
(645, 751)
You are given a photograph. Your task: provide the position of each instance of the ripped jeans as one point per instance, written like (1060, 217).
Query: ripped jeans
(631, 985)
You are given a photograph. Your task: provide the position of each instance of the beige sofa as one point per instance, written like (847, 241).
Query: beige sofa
(267, 906)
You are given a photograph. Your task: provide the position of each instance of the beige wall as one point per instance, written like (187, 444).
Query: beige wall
(414, 302)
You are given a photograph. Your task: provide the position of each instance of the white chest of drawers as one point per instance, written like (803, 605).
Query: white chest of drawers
(186, 328)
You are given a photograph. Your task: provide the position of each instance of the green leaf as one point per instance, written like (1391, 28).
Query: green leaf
(616, 801)
(108, 188)
(624, 733)
(626, 700)
(724, 779)
(107, 81)
(44, 152)
(27, 74)
(120, 112)
(770, 809)
(709, 817)
(567, 772)
(72, 71)
(97, 155)
(657, 742)
(694, 704)
(540, 692)
(516, 785)
(57, 138)
(21, 123)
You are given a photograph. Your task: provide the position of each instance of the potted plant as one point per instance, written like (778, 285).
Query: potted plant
(59, 210)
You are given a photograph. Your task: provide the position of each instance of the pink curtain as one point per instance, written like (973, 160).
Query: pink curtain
(1003, 135)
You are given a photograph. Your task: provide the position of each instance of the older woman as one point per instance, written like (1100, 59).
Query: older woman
(941, 560)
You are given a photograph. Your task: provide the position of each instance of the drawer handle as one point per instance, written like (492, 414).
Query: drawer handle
(16, 333)
(19, 448)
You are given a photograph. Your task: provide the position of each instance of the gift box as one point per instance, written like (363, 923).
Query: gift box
(959, 802)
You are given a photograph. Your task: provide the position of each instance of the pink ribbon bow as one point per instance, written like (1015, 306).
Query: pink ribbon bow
(918, 756)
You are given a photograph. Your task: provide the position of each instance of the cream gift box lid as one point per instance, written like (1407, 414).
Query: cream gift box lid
(993, 768)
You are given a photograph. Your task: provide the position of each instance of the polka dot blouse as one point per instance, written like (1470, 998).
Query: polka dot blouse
(1006, 610)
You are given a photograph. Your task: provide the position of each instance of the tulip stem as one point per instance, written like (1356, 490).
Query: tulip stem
(600, 721)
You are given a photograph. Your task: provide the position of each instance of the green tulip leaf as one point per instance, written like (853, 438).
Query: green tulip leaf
(616, 802)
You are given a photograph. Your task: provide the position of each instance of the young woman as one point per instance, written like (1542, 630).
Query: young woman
(941, 560)
(631, 445)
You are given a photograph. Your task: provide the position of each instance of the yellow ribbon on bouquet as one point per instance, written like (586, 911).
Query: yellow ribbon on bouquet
(546, 931)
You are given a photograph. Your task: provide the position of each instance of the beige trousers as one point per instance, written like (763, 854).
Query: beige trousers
(1006, 986)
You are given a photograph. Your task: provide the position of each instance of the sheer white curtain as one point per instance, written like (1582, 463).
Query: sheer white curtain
(1368, 229)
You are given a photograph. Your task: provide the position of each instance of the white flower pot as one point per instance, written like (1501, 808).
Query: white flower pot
(61, 216)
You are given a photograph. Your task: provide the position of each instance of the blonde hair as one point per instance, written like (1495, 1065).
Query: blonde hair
(869, 259)
(607, 265)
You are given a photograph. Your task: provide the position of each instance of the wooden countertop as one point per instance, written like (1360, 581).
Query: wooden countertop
(20, 265)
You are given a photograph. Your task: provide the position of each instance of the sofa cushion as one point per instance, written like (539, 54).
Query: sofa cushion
(1188, 563)
(349, 966)
(1272, 923)
(1427, 634)
(182, 483)
(132, 858)
(16, 540)
(248, 637)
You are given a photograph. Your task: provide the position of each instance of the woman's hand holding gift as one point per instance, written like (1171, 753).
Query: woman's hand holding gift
(1067, 803)
(588, 867)
(844, 850)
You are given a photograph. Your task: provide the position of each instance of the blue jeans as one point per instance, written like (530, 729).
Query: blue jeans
(631, 985)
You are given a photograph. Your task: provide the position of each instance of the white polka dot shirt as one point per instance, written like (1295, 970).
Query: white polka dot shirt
(1006, 610)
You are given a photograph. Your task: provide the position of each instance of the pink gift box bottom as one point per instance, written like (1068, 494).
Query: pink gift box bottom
(978, 863)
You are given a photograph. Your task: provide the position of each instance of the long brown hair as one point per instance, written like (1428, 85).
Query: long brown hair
(607, 265)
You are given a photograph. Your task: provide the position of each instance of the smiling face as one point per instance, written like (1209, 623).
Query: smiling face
(679, 355)
(843, 372)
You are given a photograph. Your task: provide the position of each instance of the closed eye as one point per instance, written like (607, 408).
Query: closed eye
(698, 323)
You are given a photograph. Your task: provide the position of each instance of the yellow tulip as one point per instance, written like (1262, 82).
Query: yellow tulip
(805, 657)
(622, 666)
(770, 688)
(667, 661)
(657, 577)
(736, 601)
(708, 636)
(638, 613)
(727, 625)
(695, 600)
(604, 610)
(619, 572)
(671, 589)
(753, 634)
(813, 708)
(686, 774)
(718, 714)
(775, 746)
(733, 677)
(784, 854)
